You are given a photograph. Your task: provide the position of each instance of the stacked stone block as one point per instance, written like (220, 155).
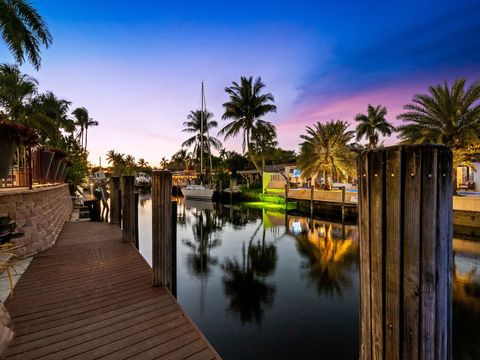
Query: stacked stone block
(39, 213)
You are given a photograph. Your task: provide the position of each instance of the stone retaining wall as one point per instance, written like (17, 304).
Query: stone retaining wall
(39, 213)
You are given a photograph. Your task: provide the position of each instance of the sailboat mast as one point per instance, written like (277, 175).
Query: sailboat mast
(201, 137)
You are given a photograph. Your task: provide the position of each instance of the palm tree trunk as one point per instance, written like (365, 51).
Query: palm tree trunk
(86, 135)
(247, 135)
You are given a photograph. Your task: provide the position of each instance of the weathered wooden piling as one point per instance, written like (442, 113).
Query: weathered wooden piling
(137, 245)
(114, 200)
(162, 228)
(405, 218)
(128, 208)
(174, 249)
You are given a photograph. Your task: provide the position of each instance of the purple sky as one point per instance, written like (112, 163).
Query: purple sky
(137, 66)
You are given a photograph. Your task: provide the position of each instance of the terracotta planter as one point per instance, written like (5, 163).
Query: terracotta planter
(46, 158)
(61, 171)
(7, 150)
(56, 162)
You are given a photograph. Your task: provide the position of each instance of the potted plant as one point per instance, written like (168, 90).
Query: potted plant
(12, 135)
(8, 144)
(46, 158)
(59, 155)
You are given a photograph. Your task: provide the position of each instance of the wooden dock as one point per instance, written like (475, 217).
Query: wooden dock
(91, 296)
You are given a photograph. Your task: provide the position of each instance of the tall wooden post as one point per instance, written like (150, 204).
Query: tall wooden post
(137, 245)
(162, 228)
(343, 203)
(114, 200)
(405, 221)
(173, 288)
(128, 208)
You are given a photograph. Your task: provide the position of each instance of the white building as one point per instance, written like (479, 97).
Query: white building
(468, 179)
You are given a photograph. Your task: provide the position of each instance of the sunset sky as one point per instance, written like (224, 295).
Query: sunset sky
(137, 65)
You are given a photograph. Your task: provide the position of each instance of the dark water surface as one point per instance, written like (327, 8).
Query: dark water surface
(261, 284)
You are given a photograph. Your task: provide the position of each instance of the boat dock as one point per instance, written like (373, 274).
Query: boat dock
(91, 296)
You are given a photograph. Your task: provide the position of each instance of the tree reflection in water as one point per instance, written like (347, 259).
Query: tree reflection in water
(245, 283)
(327, 259)
(199, 260)
(466, 315)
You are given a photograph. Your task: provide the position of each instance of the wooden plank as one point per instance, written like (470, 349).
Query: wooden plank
(376, 173)
(443, 335)
(428, 253)
(97, 314)
(364, 223)
(411, 254)
(393, 252)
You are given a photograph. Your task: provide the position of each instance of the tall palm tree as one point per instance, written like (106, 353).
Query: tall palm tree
(89, 123)
(193, 125)
(83, 121)
(246, 107)
(326, 151)
(372, 124)
(81, 118)
(23, 30)
(448, 115)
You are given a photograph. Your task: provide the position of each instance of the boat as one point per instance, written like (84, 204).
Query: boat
(142, 180)
(199, 192)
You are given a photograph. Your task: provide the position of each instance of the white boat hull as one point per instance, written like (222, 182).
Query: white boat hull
(200, 193)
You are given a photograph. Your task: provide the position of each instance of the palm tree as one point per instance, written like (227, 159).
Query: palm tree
(373, 124)
(326, 151)
(83, 121)
(142, 163)
(117, 161)
(448, 115)
(246, 107)
(23, 30)
(89, 123)
(263, 141)
(16, 92)
(81, 118)
(194, 125)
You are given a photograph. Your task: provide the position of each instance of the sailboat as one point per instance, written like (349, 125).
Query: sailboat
(200, 192)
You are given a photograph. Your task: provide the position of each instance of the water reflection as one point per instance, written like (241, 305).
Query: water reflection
(329, 252)
(245, 282)
(254, 272)
(466, 310)
(204, 239)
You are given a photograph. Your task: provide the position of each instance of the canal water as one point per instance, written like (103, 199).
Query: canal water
(261, 284)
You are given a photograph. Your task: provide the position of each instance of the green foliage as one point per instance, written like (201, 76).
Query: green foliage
(23, 30)
(78, 171)
(246, 107)
(373, 124)
(448, 115)
(326, 151)
(234, 162)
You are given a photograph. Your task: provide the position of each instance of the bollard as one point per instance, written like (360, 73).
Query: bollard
(128, 208)
(114, 200)
(405, 224)
(162, 228)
